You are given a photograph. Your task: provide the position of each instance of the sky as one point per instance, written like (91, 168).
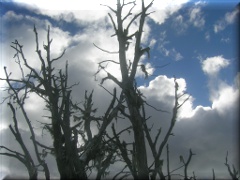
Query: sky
(196, 40)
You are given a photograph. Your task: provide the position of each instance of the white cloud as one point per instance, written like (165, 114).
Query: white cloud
(82, 57)
(170, 52)
(201, 2)
(225, 97)
(196, 18)
(152, 42)
(54, 8)
(149, 68)
(207, 36)
(166, 51)
(237, 81)
(162, 9)
(212, 65)
(69, 10)
(11, 15)
(231, 16)
(161, 89)
(67, 5)
(199, 128)
(177, 55)
(225, 40)
(227, 20)
(179, 19)
(219, 26)
(180, 24)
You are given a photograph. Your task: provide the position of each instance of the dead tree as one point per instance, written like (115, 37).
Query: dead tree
(135, 103)
(157, 152)
(128, 71)
(53, 88)
(25, 157)
(68, 121)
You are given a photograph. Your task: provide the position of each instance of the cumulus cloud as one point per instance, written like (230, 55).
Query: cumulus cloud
(161, 89)
(67, 5)
(163, 9)
(11, 15)
(82, 57)
(212, 65)
(199, 128)
(225, 98)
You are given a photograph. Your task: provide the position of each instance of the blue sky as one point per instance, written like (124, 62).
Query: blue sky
(196, 39)
(193, 45)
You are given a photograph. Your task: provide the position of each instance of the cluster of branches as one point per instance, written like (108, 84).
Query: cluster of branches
(69, 122)
(134, 101)
(76, 150)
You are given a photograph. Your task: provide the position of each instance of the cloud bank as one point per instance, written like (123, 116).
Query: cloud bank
(209, 131)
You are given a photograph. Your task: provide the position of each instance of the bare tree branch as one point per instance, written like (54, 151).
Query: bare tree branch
(168, 170)
(233, 173)
(105, 50)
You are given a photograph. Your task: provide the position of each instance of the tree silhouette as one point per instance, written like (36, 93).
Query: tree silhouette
(76, 149)
(65, 125)
(135, 103)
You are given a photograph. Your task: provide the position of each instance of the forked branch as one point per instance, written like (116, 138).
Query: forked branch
(233, 172)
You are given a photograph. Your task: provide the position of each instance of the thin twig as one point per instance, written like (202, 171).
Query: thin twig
(105, 50)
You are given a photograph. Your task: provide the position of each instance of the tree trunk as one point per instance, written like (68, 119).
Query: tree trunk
(137, 123)
(33, 174)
